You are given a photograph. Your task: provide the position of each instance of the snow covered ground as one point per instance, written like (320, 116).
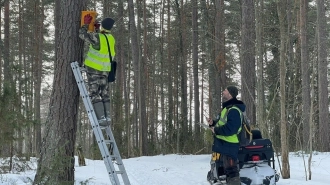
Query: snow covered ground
(176, 170)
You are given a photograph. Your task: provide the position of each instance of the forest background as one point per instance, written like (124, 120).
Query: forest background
(175, 58)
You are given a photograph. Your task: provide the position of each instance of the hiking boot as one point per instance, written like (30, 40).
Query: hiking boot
(209, 176)
(107, 110)
(234, 181)
(99, 111)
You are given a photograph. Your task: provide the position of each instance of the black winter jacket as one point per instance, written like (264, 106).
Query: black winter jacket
(230, 128)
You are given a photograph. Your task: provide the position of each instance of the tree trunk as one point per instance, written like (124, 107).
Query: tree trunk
(39, 18)
(218, 57)
(206, 45)
(170, 74)
(143, 88)
(121, 84)
(260, 107)
(281, 9)
(56, 162)
(162, 78)
(7, 97)
(137, 74)
(195, 44)
(305, 74)
(183, 119)
(20, 77)
(323, 129)
(220, 62)
(1, 49)
(310, 136)
(248, 73)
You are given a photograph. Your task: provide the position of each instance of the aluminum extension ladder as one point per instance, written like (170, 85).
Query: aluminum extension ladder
(104, 144)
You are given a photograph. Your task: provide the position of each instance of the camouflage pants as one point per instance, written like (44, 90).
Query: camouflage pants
(222, 165)
(98, 85)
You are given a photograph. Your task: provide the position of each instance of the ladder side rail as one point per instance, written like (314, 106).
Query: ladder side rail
(118, 157)
(96, 129)
(116, 154)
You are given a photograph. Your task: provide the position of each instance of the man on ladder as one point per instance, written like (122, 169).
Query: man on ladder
(98, 65)
(100, 70)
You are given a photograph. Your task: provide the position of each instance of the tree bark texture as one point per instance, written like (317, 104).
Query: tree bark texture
(323, 136)
(1, 48)
(305, 74)
(248, 72)
(216, 69)
(220, 60)
(195, 68)
(39, 18)
(281, 9)
(260, 107)
(56, 162)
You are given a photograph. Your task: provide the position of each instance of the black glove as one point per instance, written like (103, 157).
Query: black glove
(97, 26)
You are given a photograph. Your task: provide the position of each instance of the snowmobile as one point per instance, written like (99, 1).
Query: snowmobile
(256, 164)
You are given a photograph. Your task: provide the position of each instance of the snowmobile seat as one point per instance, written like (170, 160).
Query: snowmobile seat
(260, 149)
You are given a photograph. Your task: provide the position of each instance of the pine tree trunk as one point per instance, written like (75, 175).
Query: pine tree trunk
(260, 107)
(137, 77)
(215, 81)
(143, 88)
(170, 67)
(220, 62)
(323, 129)
(281, 9)
(1, 48)
(39, 18)
(195, 45)
(56, 162)
(162, 85)
(305, 75)
(248, 73)
(8, 91)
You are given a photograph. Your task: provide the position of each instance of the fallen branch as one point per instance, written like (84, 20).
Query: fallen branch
(199, 150)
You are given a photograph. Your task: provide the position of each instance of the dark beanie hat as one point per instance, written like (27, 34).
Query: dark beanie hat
(107, 23)
(233, 91)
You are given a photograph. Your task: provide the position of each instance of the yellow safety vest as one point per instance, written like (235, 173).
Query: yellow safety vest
(99, 59)
(223, 120)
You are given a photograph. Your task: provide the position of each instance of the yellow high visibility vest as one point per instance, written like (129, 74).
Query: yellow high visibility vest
(99, 59)
(223, 120)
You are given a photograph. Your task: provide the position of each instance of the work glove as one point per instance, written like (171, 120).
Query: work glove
(97, 25)
(88, 19)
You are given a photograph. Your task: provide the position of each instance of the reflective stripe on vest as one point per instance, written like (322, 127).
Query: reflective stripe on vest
(223, 120)
(100, 60)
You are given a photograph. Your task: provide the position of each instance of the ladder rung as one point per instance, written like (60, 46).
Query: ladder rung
(119, 172)
(108, 141)
(103, 127)
(113, 157)
(82, 69)
(105, 141)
